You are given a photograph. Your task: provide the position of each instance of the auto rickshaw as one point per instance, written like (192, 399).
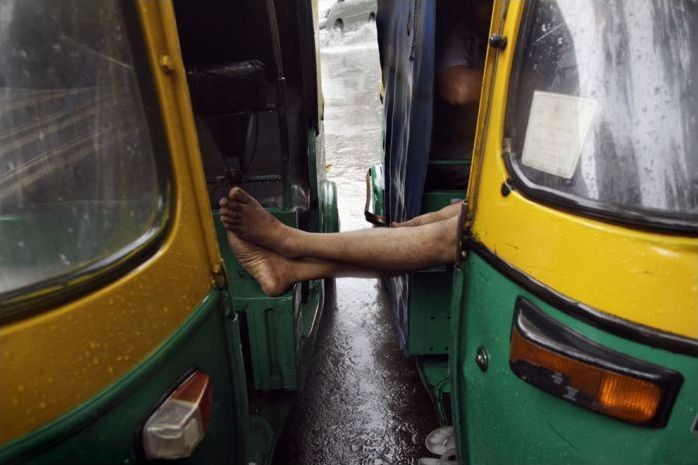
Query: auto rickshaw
(128, 333)
(572, 327)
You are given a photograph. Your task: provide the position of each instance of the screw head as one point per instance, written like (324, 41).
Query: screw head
(498, 41)
(166, 64)
(482, 358)
(506, 189)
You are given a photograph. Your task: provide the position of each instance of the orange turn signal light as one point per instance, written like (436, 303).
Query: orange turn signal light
(564, 363)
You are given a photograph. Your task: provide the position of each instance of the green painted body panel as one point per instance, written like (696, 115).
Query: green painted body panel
(502, 419)
(429, 312)
(279, 329)
(278, 332)
(436, 200)
(106, 429)
(435, 375)
(270, 331)
(430, 295)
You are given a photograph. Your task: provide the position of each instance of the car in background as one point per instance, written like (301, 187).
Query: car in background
(341, 14)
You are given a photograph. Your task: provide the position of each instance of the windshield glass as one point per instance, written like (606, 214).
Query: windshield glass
(603, 108)
(78, 183)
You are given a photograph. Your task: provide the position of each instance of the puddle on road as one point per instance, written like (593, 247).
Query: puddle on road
(363, 402)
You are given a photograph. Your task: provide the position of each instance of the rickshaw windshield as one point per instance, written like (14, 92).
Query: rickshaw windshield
(79, 187)
(603, 109)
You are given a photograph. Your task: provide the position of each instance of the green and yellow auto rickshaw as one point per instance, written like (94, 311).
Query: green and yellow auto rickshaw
(572, 330)
(128, 334)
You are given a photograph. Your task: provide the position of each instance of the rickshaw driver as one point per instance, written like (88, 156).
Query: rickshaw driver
(278, 256)
(461, 44)
(460, 57)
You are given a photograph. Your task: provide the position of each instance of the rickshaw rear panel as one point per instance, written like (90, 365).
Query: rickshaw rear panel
(626, 285)
(544, 428)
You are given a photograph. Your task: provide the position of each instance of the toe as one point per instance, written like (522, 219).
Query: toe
(232, 192)
(239, 195)
(226, 213)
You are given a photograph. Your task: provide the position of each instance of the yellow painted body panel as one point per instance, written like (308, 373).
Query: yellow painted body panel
(58, 359)
(643, 277)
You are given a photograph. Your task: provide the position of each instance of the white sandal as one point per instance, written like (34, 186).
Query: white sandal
(441, 440)
(443, 460)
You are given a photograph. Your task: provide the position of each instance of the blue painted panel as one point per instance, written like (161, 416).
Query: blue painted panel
(406, 36)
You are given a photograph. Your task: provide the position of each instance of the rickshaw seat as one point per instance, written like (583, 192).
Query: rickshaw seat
(228, 88)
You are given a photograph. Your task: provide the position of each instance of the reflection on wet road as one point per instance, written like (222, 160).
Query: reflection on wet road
(363, 402)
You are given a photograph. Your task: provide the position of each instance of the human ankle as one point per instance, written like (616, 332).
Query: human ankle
(289, 242)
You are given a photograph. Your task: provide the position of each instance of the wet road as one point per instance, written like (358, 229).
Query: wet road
(363, 402)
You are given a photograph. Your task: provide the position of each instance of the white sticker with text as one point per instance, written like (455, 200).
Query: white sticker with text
(557, 127)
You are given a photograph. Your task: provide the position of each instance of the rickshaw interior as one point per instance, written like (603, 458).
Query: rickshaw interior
(252, 76)
(253, 97)
(454, 115)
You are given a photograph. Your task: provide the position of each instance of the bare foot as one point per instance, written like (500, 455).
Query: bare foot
(268, 268)
(243, 215)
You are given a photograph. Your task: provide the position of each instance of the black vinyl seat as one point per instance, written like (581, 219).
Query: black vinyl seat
(235, 76)
(228, 88)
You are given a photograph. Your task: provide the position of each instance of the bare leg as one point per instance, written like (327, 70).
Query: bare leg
(276, 273)
(384, 250)
(390, 250)
(432, 217)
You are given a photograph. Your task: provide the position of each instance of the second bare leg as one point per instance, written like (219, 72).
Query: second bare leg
(390, 250)
(385, 250)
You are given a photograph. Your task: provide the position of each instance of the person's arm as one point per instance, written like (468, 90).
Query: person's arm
(460, 85)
